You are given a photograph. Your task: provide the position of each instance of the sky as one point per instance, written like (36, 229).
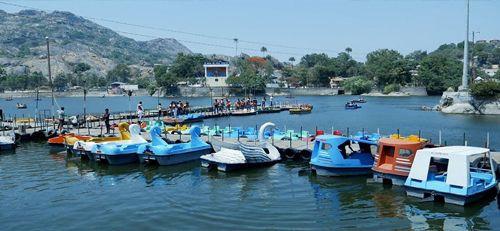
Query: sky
(288, 28)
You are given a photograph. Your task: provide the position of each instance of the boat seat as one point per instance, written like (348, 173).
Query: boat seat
(433, 169)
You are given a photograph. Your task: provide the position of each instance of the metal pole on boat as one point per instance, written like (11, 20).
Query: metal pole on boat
(465, 144)
(488, 140)
(439, 136)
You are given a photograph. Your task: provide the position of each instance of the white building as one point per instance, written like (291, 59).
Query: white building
(216, 73)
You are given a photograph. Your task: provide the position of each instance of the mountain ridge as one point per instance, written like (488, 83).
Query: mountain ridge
(74, 39)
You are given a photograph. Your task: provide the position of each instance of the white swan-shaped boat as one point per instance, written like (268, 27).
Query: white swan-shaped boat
(247, 156)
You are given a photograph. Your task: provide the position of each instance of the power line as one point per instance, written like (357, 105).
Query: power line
(196, 34)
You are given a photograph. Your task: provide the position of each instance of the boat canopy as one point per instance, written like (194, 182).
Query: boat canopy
(458, 173)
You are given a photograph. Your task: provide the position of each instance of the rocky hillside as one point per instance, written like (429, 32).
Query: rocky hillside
(74, 39)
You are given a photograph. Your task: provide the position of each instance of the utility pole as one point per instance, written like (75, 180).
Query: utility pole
(50, 78)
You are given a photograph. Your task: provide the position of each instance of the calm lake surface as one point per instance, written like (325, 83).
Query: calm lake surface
(46, 190)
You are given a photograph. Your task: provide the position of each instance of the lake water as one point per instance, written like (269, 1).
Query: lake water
(44, 190)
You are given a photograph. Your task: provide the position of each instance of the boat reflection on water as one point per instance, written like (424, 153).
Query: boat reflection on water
(350, 202)
(443, 216)
(152, 174)
(389, 200)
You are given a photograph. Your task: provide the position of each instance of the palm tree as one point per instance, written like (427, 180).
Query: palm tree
(236, 42)
(291, 59)
(348, 50)
(263, 50)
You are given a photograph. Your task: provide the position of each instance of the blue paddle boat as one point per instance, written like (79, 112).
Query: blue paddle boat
(352, 106)
(120, 152)
(342, 156)
(167, 154)
(243, 156)
(457, 184)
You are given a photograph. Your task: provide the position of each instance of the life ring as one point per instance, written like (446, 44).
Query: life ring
(7, 127)
(50, 133)
(123, 126)
(305, 154)
(290, 153)
(17, 137)
(176, 132)
(484, 162)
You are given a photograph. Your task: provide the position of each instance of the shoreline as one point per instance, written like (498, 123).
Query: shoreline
(190, 92)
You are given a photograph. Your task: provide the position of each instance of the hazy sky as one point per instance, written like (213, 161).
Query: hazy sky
(288, 28)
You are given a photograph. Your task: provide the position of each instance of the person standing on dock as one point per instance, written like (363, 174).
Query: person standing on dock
(263, 102)
(140, 110)
(159, 110)
(61, 119)
(105, 117)
(271, 100)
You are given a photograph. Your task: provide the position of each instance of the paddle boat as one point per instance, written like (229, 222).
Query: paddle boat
(8, 99)
(147, 125)
(83, 148)
(60, 141)
(243, 156)
(457, 184)
(342, 156)
(298, 111)
(395, 158)
(352, 106)
(244, 112)
(184, 119)
(269, 110)
(120, 152)
(21, 105)
(168, 154)
(366, 136)
(7, 143)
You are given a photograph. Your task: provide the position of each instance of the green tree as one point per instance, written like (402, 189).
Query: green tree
(120, 73)
(164, 78)
(188, 67)
(291, 59)
(247, 80)
(358, 85)
(80, 68)
(348, 50)
(438, 73)
(263, 50)
(61, 80)
(386, 67)
(485, 90)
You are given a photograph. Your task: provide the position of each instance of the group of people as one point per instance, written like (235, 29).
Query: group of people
(176, 108)
(221, 105)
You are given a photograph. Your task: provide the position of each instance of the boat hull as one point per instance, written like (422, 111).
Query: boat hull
(379, 177)
(449, 197)
(7, 146)
(171, 159)
(117, 158)
(228, 167)
(333, 171)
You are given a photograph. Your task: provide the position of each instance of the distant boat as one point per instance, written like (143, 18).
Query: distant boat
(290, 96)
(306, 110)
(38, 99)
(21, 106)
(8, 99)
